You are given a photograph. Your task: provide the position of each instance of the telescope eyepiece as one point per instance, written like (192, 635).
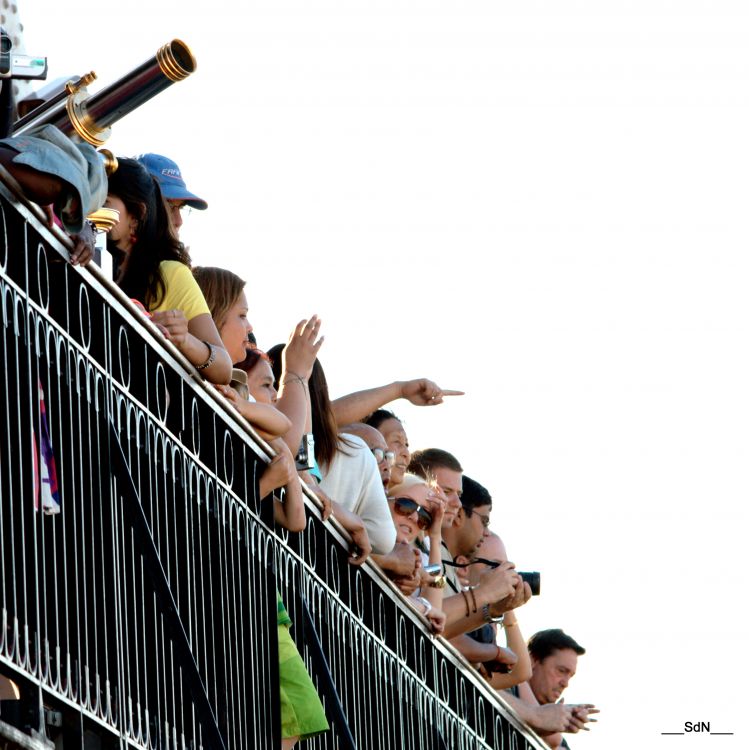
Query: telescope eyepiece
(176, 60)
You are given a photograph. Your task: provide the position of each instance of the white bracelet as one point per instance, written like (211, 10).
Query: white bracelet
(424, 603)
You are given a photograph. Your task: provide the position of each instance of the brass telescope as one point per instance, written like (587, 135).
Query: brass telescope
(90, 118)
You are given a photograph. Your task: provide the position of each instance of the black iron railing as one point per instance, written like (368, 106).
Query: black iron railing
(138, 604)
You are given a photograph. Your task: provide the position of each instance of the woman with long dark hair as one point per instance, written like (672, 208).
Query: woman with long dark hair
(348, 470)
(153, 268)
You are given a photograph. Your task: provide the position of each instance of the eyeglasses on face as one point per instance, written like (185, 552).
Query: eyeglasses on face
(380, 455)
(405, 506)
(484, 519)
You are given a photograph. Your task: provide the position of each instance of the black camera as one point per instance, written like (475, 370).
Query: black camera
(533, 580)
(19, 66)
(305, 457)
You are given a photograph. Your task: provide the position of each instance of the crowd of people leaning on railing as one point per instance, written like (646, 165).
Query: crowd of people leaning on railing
(414, 514)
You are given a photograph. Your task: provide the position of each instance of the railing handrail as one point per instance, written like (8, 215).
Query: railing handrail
(240, 427)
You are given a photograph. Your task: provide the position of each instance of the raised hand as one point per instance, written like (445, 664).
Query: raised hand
(301, 350)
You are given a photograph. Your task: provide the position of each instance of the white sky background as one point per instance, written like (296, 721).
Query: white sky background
(541, 203)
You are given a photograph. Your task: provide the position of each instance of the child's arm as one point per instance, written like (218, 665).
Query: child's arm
(281, 472)
(271, 422)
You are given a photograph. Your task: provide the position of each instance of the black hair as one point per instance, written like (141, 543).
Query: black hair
(474, 495)
(546, 642)
(376, 418)
(138, 275)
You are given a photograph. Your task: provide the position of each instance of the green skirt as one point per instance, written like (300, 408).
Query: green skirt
(302, 714)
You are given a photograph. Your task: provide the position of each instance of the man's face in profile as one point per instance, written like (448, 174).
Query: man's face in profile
(552, 675)
(451, 484)
(475, 527)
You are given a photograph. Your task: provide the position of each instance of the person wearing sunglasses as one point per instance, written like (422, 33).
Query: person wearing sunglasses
(417, 511)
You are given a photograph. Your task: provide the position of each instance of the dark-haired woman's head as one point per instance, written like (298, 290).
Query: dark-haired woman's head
(144, 236)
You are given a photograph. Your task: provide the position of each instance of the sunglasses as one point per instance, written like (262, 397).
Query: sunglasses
(405, 506)
(380, 455)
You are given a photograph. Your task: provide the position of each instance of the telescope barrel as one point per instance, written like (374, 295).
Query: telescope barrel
(91, 118)
(51, 108)
(172, 63)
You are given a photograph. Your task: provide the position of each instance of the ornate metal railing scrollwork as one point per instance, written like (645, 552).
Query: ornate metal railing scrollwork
(138, 600)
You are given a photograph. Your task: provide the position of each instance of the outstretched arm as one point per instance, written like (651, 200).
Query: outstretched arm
(281, 472)
(356, 406)
(550, 718)
(264, 417)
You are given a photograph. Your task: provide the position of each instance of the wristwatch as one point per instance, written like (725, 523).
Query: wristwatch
(439, 582)
(490, 619)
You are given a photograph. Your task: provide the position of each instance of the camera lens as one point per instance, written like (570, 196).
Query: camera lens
(533, 579)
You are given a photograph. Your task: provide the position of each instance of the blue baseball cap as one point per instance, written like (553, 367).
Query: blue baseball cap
(170, 180)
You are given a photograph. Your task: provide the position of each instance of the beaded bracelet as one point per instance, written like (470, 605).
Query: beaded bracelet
(211, 357)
